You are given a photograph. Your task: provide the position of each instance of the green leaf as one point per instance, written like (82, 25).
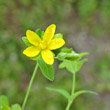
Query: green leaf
(83, 92)
(72, 66)
(69, 54)
(64, 53)
(61, 91)
(47, 70)
(73, 56)
(80, 63)
(69, 65)
(59, 35)
(25, 40)
(4, 101)
(83, 54)
(67, 50)
(61, 56)
(15, 107)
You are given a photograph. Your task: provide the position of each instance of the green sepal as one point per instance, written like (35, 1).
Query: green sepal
(47, 70)
(15, 107)
(59, 35)
(25, 40)
(61, 91)
(72, 66)
(39, 33)
(36, 57)
(42, 33)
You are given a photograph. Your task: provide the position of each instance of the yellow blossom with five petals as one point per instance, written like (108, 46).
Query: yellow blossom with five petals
(43, 46)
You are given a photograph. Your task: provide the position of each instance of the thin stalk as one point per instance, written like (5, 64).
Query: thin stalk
(68, 105)
(73, 86)
(70, 100)
(29, 87)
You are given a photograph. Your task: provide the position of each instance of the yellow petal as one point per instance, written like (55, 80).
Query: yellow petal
(47, 56)
(33, 37)
(31, 51)
(49, 33)
(56, 43)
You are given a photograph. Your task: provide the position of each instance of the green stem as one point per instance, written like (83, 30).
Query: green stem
(29, 87)
(73, 87)
(68, 105)
(70, 100)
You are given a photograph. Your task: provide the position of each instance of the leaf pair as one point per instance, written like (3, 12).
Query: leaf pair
(67, 95)
(4, 104)
(71, 60)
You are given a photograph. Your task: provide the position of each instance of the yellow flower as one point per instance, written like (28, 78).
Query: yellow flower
(44, 45)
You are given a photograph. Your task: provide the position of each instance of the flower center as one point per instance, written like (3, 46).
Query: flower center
(43, 45)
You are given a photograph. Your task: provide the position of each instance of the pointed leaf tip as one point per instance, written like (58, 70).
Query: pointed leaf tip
(83, 92)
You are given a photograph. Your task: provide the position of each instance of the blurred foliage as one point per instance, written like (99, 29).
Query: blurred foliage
(16, 16)
(103, 73)
(87, 7)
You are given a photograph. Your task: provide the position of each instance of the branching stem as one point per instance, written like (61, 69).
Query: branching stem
(70, 100)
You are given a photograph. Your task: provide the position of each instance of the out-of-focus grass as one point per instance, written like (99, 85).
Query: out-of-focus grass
(85, 25)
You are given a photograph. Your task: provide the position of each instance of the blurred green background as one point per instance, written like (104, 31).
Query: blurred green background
(85, 25)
